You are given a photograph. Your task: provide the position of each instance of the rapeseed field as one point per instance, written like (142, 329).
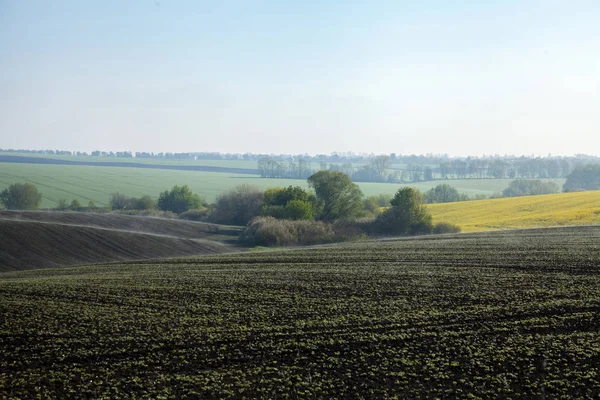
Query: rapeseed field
(561, 209)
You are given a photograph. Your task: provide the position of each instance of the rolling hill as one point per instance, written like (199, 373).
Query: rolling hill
(561, 209)
(32, 240)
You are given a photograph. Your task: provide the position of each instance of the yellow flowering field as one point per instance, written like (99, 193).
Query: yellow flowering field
(580, 208)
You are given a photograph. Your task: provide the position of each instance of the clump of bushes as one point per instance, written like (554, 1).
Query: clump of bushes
(119, 201)
(269, 231)
(238, 206)
(21, 196)
(445, 227)
(179, 200)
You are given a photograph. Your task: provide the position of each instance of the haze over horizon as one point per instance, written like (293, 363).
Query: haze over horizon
(470, 78)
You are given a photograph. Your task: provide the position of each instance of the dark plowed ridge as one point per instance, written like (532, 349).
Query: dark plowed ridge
(205, 168)
(33, 245)
(160, 226)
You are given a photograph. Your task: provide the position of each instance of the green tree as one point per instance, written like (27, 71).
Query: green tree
(442, 193)
(292, 202)
(406, 216)
(380, 164)
(62, 205)
(21, 196)
(179, 200)
(337, 196)
(371, 205)
(118, 201)
(583, 178)
(281, 196)
(298, 210)
(143, 203)
(75, 205)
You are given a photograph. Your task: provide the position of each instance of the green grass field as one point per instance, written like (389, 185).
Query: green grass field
(86, 183)
(512, 314)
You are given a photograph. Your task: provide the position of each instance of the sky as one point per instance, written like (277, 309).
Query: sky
(435, 76)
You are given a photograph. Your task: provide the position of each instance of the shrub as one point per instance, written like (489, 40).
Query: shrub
(238, 206)
(445, 227)
(372, 205)
(75, 205)
(298, 210)
(143, 203)
(21, 196)
(352, 229)
(179, 200)
(443, 193)
(288, 203)
(62, 205)
(118, 201)
(406, 216)
(269, 231)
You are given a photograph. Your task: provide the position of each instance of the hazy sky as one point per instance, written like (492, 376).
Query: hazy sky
(456, 77)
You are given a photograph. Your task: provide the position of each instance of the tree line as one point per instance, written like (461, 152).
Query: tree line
(383, 169)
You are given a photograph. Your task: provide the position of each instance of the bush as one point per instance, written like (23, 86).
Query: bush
(372, 205)
(445, 227)
(352, 229)
(143, 203)
(119, 201)
(21, 196)
(195, 215)
(75, 205)
(288, 203)
(179, 200)
(268, 231)
(63, 205)
(443, 193)
(406, 216)
(238, 206)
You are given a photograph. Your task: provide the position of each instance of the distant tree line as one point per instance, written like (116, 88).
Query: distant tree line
(365, 167)
(382, 169)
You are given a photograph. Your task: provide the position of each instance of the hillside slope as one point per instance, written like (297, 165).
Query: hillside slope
(161, 226)
(581, 208)
(33, 245)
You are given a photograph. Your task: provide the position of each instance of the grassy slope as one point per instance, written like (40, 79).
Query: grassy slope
(45, 239)
(494, 315)
(86, 183)
(521, 212)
